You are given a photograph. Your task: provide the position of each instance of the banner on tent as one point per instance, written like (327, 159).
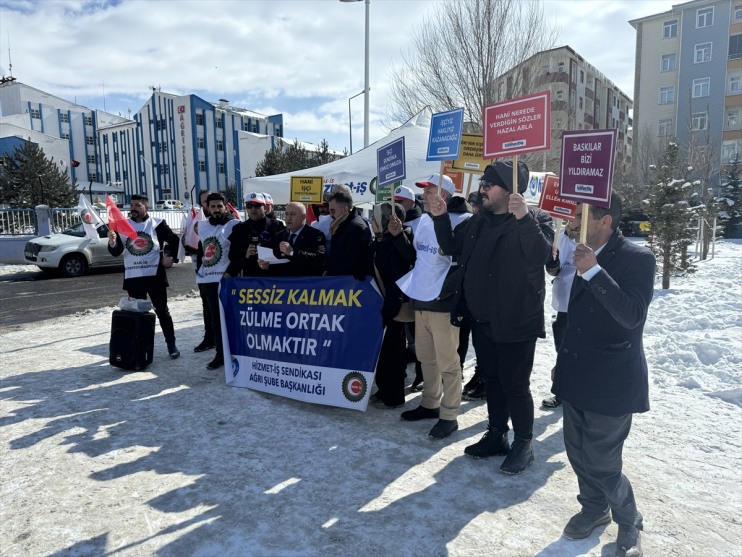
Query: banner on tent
(312, 339)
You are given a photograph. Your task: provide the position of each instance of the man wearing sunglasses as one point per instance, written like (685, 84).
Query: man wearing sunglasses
(503, 250)
(257, 230)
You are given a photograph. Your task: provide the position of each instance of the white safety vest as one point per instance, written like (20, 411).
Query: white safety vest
(215, 243)
(142, 254)
(563, 282)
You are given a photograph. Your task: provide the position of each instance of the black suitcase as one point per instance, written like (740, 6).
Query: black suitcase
(132, 339)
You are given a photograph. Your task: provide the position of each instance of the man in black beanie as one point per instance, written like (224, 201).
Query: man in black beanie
(503, 250)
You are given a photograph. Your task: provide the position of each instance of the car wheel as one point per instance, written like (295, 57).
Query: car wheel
(73, 265)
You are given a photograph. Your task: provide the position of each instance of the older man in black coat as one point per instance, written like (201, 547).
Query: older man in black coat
(601, 373)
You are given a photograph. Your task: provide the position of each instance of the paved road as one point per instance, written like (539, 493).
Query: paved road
(30, 296)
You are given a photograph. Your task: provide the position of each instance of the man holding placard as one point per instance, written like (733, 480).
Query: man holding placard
(503, 250)
(601, 372)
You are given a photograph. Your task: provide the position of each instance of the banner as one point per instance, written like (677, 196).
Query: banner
(315, 339)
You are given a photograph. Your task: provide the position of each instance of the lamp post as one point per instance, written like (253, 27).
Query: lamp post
(366, 88)
(151, 188)
(350, 121)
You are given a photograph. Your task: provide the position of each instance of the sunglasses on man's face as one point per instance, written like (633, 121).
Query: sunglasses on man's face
(253, 205)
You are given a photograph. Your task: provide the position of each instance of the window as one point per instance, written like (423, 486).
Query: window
(669, 62)
(580, 103)
(701, 87)
(87, 120)
(36, 113)
(220, 167)
(199, 118)
(65, 136)
(163, 146)
(729, 151)
(202, 166)
(704, 17)
(126, 174)
(218, 121)
(560, 67)
(89, 140)
(560, 95)
(91, 159)
(105, 159)
(732, 120)
(737, 14)
(220, 145)
(200, 142)
(703, 53)
(667, 95)
(64, 118)
(735, 46)
(255, 127)
(735, 85)
(670, 29)
(92, 176)
(699, 121)
(664, 128)
(582, 76)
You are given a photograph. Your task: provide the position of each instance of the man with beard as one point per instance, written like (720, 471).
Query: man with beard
(503, 250)
(145, 261)
(216, 242)
(351, 238)
(257, 230)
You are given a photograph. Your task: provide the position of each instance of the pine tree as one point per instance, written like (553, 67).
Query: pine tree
(282, 158)
(731, 202)
(29, 179)
(670, 214)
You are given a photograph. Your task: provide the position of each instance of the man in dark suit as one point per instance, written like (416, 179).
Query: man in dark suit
(302, 245)
(601, 373)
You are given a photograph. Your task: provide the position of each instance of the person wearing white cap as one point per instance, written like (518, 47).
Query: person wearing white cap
(436, 340)
(406, 198)
(269, 208)
(257, 230)
(503, 250)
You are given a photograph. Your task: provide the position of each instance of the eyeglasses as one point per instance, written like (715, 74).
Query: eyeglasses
(253, 205)
(484, 185)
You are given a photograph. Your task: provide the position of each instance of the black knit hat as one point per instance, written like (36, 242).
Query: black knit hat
(501, 174)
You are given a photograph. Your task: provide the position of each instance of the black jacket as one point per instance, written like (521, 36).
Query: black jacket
(308, 257)
(350, 248)
(601, 365)
(502, 260)
(392, 256)
(264, 232)
(168, 241)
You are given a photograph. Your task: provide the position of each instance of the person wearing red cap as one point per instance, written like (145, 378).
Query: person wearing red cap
(503, 250)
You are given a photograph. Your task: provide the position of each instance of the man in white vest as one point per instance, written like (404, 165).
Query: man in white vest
(214, 263)
(146, 257)
(436, 340)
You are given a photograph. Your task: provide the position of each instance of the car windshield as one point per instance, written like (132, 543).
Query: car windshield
(79, 232)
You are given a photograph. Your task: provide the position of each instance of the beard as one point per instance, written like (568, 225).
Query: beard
(223, 218)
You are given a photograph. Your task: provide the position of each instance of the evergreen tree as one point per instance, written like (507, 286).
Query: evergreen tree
(282, 158)
(731, 202)
(28, 179)
(670, 214)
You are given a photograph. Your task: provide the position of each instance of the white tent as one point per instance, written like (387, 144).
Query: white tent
(358, 169)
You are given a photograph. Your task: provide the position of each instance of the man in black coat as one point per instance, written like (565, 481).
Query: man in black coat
(502, 251)
(257, 230)
(351, 238)
(301, 245)
(601, 372)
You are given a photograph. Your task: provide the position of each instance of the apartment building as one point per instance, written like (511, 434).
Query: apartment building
(582, 98)
(688, 79)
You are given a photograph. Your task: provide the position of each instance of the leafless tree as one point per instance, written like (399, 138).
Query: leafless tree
(460, 50)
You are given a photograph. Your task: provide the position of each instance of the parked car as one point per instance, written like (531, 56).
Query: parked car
(171, 204)
(635, 225)
(71, 253)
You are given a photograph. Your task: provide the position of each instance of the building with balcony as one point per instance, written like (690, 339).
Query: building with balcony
(172, 148)
(582, 98)
(688, 80)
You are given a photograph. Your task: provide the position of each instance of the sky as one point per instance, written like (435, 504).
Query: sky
(301, 58)
(171, 462)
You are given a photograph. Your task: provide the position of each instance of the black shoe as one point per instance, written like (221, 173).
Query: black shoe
(173, 350)
(443, 429)
(582, 525)
(492, 443)
(420, 413)
(519, 457)
(216, 363)
(629, 541)
(473, 383)
(417, 383)
(551, 402)
(204, 346)
(478, 393)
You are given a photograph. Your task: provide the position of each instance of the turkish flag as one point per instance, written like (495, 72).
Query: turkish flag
(117, 221)
(74, 163)
(234, 211)
(310, 214)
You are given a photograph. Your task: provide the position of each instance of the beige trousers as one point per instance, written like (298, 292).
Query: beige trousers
(436, 342)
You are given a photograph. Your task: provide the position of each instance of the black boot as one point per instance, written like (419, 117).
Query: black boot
(519, 457)
(492, 443)
(417, 384)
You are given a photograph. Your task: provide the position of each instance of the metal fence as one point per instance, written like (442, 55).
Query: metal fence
(15, 222)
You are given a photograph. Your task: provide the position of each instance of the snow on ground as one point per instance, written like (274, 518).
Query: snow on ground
(170, 461)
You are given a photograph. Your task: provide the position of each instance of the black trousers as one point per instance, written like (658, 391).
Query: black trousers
(507, 372)
(208, 321)
(464, 332)
(390, 370)
(594, 444)
(142, 287)
(210, 291)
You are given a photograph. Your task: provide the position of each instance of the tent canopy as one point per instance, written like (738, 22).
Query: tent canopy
(357, 170)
